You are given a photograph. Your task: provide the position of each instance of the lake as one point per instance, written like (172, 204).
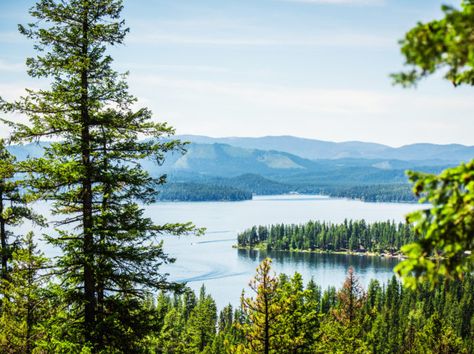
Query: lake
(225, 271)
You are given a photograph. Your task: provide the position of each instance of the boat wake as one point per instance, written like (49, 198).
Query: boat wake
(214, 241)
(210, 276)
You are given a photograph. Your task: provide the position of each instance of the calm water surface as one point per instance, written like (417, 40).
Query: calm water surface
(225, 271)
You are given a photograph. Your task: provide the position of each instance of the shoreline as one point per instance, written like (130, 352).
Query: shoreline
(326, 197)
(319, 251)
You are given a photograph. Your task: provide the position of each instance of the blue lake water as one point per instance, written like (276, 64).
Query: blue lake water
(225, 271)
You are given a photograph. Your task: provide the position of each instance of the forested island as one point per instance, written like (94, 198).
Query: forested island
(349, 236)
(196, 192)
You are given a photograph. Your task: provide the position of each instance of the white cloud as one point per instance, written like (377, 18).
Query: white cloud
(13, 91)
(209, 21)
(321, 40)
(337, 101)
(6, 66)
(310, 100)
(391, 116)
(174, 67)
(11, 37)
(220, 108)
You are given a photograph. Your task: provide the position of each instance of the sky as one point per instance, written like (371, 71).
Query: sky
(310, 68)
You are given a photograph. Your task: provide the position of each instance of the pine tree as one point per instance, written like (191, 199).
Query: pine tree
(25, 305)
(262, 312)
(226, 318)
(92, 172)
(350, 297)
(171, 336)
(201, 326)
(298, 320)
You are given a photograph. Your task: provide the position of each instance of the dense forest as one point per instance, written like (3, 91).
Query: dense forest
(355, 236)
(390, 193)
(280, 315)
(195, 192)
(230, 191)
(384, 318)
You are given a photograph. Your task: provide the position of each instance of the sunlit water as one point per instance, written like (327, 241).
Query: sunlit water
(225, 271)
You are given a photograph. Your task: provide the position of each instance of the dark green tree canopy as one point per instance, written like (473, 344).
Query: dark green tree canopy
(447, 227)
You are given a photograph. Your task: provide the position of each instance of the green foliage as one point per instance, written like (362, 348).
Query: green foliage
(446, 249)
(441, 44)
(216, 188)
(357, 236)
(341, 329)
(189, 323)
(298, 320)
(13, 208)
(334, 337)
(24, 301)
(262, 313)
(447, 226)
(201, 325)
(386, 319)
(109, 265)
(172, 333)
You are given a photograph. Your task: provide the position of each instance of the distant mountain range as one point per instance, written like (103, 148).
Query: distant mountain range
(203, 161)
(291, 163)
(318, 149)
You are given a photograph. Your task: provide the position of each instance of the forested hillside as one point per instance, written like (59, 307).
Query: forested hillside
(194, 192)
(367, 180)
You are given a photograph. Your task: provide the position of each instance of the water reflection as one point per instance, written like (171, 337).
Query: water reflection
(318, 260)
(225, 271)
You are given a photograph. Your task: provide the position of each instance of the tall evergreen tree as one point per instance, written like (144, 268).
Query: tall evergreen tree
(201, 325)
(172, 333)
(298, 320)
(262, 312)
(351, 298)
(92, 172)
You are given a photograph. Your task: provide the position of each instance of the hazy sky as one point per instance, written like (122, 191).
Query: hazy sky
(310, 68)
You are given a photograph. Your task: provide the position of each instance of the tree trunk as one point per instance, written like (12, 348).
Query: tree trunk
(3, 237)
(88, 246)
(100, 262)
(29, 305)
(267, 321)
